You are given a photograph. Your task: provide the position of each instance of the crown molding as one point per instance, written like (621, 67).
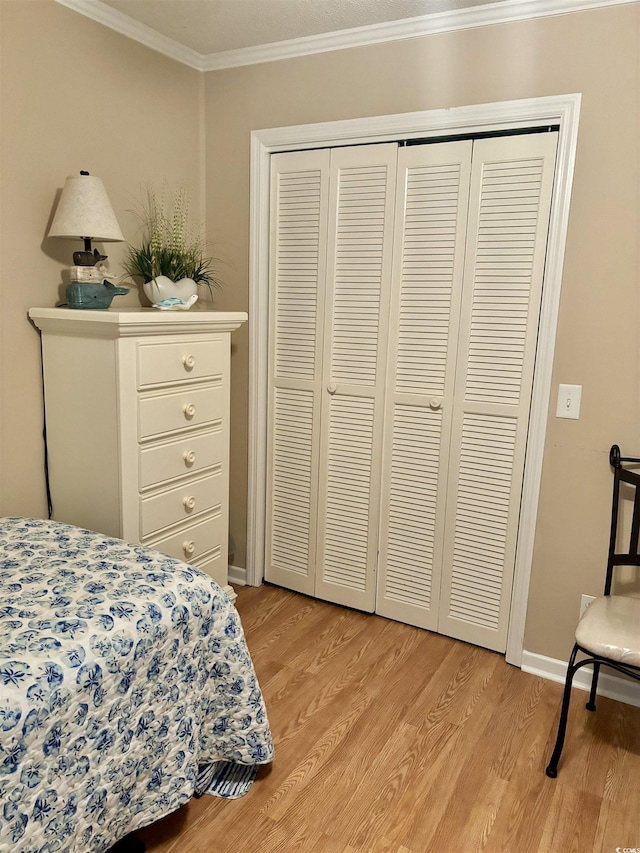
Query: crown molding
(424, 25)
(438, 22)
(137, 31)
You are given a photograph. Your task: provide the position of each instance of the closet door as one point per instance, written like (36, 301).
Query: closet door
(405, 312)
(331, 244)
(359, 254)
(431, 216)
(509, 209)
(299, 206)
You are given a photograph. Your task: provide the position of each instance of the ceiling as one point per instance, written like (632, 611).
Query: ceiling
(214, 34)
(216, 26)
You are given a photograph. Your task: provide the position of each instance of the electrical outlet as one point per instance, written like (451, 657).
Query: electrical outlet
(585, 601)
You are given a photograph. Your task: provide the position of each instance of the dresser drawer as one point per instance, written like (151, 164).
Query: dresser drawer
(160, 363)
(191, 544)
(177, 458)
(180, 503)
(216, 567)
(188, 407)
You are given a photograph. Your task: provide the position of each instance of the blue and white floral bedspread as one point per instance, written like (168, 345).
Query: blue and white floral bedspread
(124, 677)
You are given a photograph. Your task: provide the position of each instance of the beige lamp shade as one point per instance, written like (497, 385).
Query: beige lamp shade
(84, 211)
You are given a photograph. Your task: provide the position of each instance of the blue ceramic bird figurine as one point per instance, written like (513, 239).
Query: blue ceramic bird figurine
(172, 303)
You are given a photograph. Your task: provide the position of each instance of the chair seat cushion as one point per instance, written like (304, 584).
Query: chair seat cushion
(610, 627)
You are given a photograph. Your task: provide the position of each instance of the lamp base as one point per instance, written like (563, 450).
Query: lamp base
(92, 296)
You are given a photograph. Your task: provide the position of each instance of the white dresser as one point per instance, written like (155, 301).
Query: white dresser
(137, 417)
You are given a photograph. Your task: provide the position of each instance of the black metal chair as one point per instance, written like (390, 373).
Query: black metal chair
(608, 632)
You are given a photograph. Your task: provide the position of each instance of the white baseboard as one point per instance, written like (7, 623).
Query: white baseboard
(608, 685)
(237, 575)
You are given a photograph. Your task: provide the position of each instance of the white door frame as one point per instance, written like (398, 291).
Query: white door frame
(561, 110)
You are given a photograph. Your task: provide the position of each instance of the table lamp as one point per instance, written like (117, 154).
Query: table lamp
(84, 212)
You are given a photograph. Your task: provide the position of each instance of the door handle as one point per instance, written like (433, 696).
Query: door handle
(435, 403)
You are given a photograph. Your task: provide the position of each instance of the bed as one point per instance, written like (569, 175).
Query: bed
(126, 687)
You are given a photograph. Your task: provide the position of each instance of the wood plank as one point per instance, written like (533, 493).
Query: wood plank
(391, 739)
(572, 820)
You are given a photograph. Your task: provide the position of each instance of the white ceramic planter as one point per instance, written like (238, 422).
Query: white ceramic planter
(162, 287)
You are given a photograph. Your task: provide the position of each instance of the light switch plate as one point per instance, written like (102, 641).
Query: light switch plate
(569, 397)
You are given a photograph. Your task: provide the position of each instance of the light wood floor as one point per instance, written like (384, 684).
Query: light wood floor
(396, 740)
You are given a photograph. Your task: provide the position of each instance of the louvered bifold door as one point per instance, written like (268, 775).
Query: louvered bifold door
(299, 195)
(359, 254)
(509, 209)
(431, 216)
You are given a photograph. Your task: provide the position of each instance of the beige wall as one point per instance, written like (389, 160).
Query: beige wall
(74, 95)
(596, 53)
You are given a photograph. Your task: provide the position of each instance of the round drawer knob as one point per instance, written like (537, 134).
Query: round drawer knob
(189, 410)
(189, 457)
(188, 547)
(435, 402)
(189, 502)
(189, 361)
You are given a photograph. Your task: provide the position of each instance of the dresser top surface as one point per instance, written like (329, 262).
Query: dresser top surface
(118, 322)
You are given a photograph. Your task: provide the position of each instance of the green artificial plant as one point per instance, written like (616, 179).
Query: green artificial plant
(170, 244)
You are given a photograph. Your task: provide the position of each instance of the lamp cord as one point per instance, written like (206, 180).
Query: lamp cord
(44, 439)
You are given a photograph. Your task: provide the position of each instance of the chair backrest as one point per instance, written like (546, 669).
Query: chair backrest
(619, 553)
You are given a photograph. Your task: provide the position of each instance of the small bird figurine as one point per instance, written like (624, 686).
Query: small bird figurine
(175, 304)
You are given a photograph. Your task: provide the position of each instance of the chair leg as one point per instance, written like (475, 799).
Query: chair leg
(552, 767)
(591, 704)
